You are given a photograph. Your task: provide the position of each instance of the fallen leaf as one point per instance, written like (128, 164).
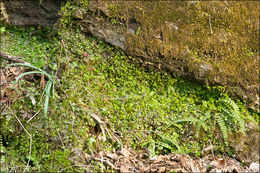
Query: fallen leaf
(125, 152)
(124, 169)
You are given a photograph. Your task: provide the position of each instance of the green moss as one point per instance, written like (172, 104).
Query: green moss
(223, 34)
(127, 97)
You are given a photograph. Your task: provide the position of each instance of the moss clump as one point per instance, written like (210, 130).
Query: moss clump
(189, 34)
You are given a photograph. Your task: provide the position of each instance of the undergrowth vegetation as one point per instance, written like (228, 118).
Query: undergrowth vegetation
(139, 108)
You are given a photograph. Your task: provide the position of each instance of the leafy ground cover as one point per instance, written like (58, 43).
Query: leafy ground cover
(100, 101)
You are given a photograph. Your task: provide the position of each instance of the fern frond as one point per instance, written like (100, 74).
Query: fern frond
(231, 109)
(152, 149)
(201, 123)
(223, 128)
(169, 143)
(164, 145)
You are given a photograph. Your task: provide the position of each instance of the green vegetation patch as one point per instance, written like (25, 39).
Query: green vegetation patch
(139, 107)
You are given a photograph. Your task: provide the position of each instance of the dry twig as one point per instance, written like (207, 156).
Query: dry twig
(12, 58)
(107, 162)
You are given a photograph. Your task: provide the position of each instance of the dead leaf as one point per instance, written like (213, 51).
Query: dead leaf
(2, 77)
(125, 152)
(162, 169)
(15, 71)
(123, 168)
(110, 155)
(42, 83)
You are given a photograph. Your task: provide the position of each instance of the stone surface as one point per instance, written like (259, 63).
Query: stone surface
(254, 167)
(30, 13)
(246, 147)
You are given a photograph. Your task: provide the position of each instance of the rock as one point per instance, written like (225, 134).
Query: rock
(246, 147)
(254, 167)
(162, 40)
(31, 13)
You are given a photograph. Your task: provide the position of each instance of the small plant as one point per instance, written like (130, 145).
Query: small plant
(226, 117)
(47, 89)
(169, 142)
(138, 30)
(230, 112)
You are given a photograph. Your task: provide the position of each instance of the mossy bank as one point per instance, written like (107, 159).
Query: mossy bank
(104, 101)
(213, 43)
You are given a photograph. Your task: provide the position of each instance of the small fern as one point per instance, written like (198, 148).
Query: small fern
(201, 123)
(223, 128)
(179, 120)
(231, 109)
(168, 142)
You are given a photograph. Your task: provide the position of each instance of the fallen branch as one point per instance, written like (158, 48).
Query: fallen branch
(12, 58)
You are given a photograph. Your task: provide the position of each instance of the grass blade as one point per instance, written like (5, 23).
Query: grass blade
(47, 97)
(31, 66)
(26, 73)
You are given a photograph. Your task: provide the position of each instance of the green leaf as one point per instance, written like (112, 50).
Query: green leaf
(2, 30)
(31, 66)
(152, 149)
(47, 97)
(26, 73)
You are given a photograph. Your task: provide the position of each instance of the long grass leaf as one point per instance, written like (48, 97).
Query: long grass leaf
(191, 119)
(47, 97)
(44, 90)
(26, 73)
(31, 66)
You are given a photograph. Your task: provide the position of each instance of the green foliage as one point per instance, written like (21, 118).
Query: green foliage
(230, 114)
(167, 142)
(223, 128)
(231, 109)
(2, 30)
(146, 108)
(221, 34)
(48, 86)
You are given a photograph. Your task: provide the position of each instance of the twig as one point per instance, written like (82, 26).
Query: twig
(65, 50)
(210, 25)
(107, 162)
(102, 163)
(61, 46)
(61, 139)
(25, 131)
(74, 166)
(12, 58)
(133, 131)
(88, 91)
(34, 115)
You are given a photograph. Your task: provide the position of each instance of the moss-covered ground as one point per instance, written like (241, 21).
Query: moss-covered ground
(143, 108)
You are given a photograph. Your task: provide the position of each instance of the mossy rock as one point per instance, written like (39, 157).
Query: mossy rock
(246, 148)
(210, 42)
